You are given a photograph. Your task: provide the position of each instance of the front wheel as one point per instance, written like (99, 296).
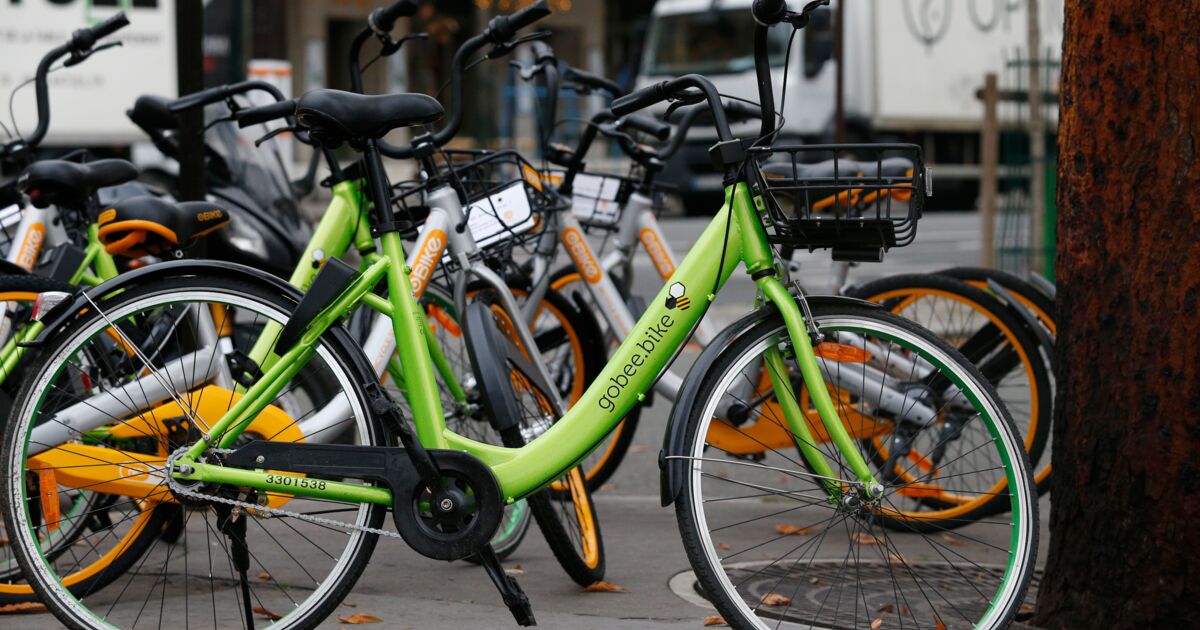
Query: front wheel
(773, 543)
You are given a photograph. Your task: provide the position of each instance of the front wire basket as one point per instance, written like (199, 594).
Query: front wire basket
(504, 193)
(817, 197)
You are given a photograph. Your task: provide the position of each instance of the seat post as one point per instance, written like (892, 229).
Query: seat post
(380, 188)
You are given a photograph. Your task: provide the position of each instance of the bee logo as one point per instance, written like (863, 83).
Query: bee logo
(676, 297)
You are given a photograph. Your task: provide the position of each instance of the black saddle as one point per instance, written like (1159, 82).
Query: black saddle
(334, 116)
(138, 226)
(888, 167)
(70, 184)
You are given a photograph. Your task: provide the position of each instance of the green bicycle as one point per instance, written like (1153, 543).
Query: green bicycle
(308, 516)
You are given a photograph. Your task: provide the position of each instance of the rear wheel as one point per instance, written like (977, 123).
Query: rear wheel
(773, 544)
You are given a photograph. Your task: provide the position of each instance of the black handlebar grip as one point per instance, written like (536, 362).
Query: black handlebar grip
(593, 81)
(83, 39)
(383, 19)
(641, 99)
(503, 27)
(265, 113)
(655, 128)
(768, 12)
(742, 111)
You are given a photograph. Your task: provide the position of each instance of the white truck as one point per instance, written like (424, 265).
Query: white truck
(912, 68)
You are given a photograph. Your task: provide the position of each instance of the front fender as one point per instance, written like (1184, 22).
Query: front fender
(672, 470)
(68, 310)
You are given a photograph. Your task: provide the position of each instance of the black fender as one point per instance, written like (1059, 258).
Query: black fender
(68, 310)
(1027, 318)
(672, 470)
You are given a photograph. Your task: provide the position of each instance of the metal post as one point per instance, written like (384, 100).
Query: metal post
(839, 112)
(989, 160)
(1037, 143)
(189, 52)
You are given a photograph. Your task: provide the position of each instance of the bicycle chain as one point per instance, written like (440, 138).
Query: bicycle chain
(253, 508)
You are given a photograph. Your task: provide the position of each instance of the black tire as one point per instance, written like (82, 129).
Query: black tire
(995, 367)
(335, 346)
(571, 528)
(702, 531)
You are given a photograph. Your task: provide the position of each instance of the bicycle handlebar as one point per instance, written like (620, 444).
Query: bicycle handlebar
(501, 29)
(220, 93)
(265, 113)
(504, 27)
(83, 39)
(382, 20)
(657, 129)
(79, 48)
(592, 81)
(653, 94)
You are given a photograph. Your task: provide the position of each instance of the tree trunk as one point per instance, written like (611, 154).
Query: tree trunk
(1125, 516)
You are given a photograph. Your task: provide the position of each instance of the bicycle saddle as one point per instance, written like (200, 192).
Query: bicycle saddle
(69, 184)
(334, 116)
(143, 225)
(888, 167)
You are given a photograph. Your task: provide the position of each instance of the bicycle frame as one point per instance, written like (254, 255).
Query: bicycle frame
(736, 231)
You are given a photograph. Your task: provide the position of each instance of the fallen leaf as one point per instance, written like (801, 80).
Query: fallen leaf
(938, 625)
(787, 529)
(876, 624)
(906, 612)
(951, 540)
(516, 570)
(358, 618)
(1027, 608)
(638, 448)
(775, 599)
(3, 541)
(887, 609)
(259, 610)
(264, 576)
(23, 608)
(897, 558)
(608, 487)
(715, 620)
(602, 587)
(722, 546)
(863, 538)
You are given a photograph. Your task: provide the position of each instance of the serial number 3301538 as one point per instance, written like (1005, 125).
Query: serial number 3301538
(299, 482)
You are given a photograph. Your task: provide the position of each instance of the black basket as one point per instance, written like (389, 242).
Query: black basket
(504, 192)
(817, 197)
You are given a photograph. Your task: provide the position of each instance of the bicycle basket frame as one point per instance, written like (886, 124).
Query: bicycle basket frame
(817, 198)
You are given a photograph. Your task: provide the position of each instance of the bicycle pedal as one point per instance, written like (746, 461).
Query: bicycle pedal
(514, 598)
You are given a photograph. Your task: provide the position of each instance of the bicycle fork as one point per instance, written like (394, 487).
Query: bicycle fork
(810, 370)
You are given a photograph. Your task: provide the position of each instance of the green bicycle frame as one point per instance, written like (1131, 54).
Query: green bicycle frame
(736, 232)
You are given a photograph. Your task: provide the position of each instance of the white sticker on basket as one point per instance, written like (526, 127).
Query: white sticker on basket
(501, 215)
(594, 199)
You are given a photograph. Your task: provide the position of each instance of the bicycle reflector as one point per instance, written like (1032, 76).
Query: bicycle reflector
(841, 352)
(46, 302)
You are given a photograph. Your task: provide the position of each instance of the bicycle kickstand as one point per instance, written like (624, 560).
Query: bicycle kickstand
(510, 591)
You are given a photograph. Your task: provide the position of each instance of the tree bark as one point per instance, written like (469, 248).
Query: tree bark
(1125, 517)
